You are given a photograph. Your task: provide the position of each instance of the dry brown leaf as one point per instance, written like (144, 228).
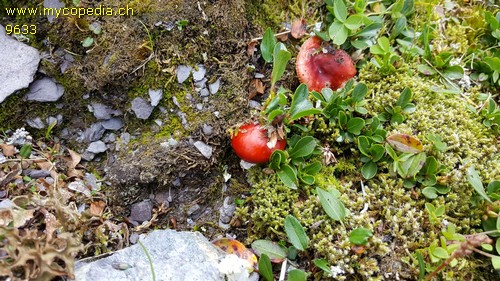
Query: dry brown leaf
(259, 86)
(97, 207)
(74, 173)
(282, 36)
(15, 215)
(299, 28)
(251, 48)
(51, 224)
(75, 158)
(8, 150)
(255, 87)
(44, 165)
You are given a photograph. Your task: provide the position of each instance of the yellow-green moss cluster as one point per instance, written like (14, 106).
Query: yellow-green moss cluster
(395, 214)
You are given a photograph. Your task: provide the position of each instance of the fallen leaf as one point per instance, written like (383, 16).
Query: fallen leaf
(255, 87)
(299, 28)
(51, 224)
(8, 150)
(75, 158)
(44, 165)
(405, 143)
(233, 246)
(251, 48)
(259, 86)
(79, 186)
(97, 207)
(282, 36)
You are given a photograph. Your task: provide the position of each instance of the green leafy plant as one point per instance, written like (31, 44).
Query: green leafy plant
(331, 204)
(265, 267)
(396, 114)
(296, 233)
(360, 236)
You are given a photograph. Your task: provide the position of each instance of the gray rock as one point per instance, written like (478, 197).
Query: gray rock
(227, 210)
(45, 90)
(205, 149)
(214, 87)
(36, 174)
(179, 256)
(51, 17)
(193, 209)
(3, 159)
(204, 92)
(183, 72)
(94, 133)
(141, 211)
(110, 138)
(200, 84)
(259, 75)
(207, 130)
(125, 138)
(97, 147)
(113, 124)
(200, 73)
(88, 156)
(199, 106)
(101, 111)
(52, 121)
(142, 108)
(92, 181)
(67, 62)
(254, 104)
(155, 96)
(36, 123)
(18, 64)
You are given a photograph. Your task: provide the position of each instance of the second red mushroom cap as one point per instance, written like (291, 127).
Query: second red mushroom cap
(319, 65)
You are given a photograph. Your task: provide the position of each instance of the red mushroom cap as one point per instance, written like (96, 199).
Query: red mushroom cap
(319, 69)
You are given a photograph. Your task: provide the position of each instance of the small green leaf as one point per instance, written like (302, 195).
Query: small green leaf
(475, 181)
(288, 176)
(354, 22)
(404, 98)
(280, 61)
(493, 63)
(495, 261)
(301, 105)
(333, 207)
(267, 45)
(454, 72)
(377, 151)
(265, 267)
(87, 42)
(425, 69)
(338, 32)
(25, 150)
(296, 233)
(497, 244)
(323, 265)
(297, 275)
(364, 145)
(440, 253)
(354, 125)
(274, 251)
(360, 236)
(312, 168)
(304, 147)
(430, 192)
(340, 10)
(359, 92)
(369, 170)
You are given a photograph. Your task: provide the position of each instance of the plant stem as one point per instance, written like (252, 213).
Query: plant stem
(149, 259)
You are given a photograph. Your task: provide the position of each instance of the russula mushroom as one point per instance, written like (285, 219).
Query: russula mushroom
(320, 65)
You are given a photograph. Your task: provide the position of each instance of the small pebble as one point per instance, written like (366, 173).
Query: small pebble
(141, 108)
(207, 129)
(97, 147)
(36, 123)
(204, 92)
(155, 96)
(183, 72)
(141, 211)
(205, 150)
(113, 124)
(214, 87)
(200, 73)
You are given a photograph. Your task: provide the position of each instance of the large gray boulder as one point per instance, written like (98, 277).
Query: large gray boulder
(176, 256)
(18, 64)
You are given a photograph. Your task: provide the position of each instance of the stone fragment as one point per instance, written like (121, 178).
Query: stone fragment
(19, 64)
(169, 250)
(204, 92)
(155, 96)
(142, 108)
(205, 149)
(36, 174)
(214, 87)
(36, 123)
(113, 124)
(183, 72)
(193, 209)
(200, 73)
(97, 147)
(87, 156)
(94, 133)
(227, 210)
(207, 130)
(141, 211)
(101, 111)
(45, 90)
